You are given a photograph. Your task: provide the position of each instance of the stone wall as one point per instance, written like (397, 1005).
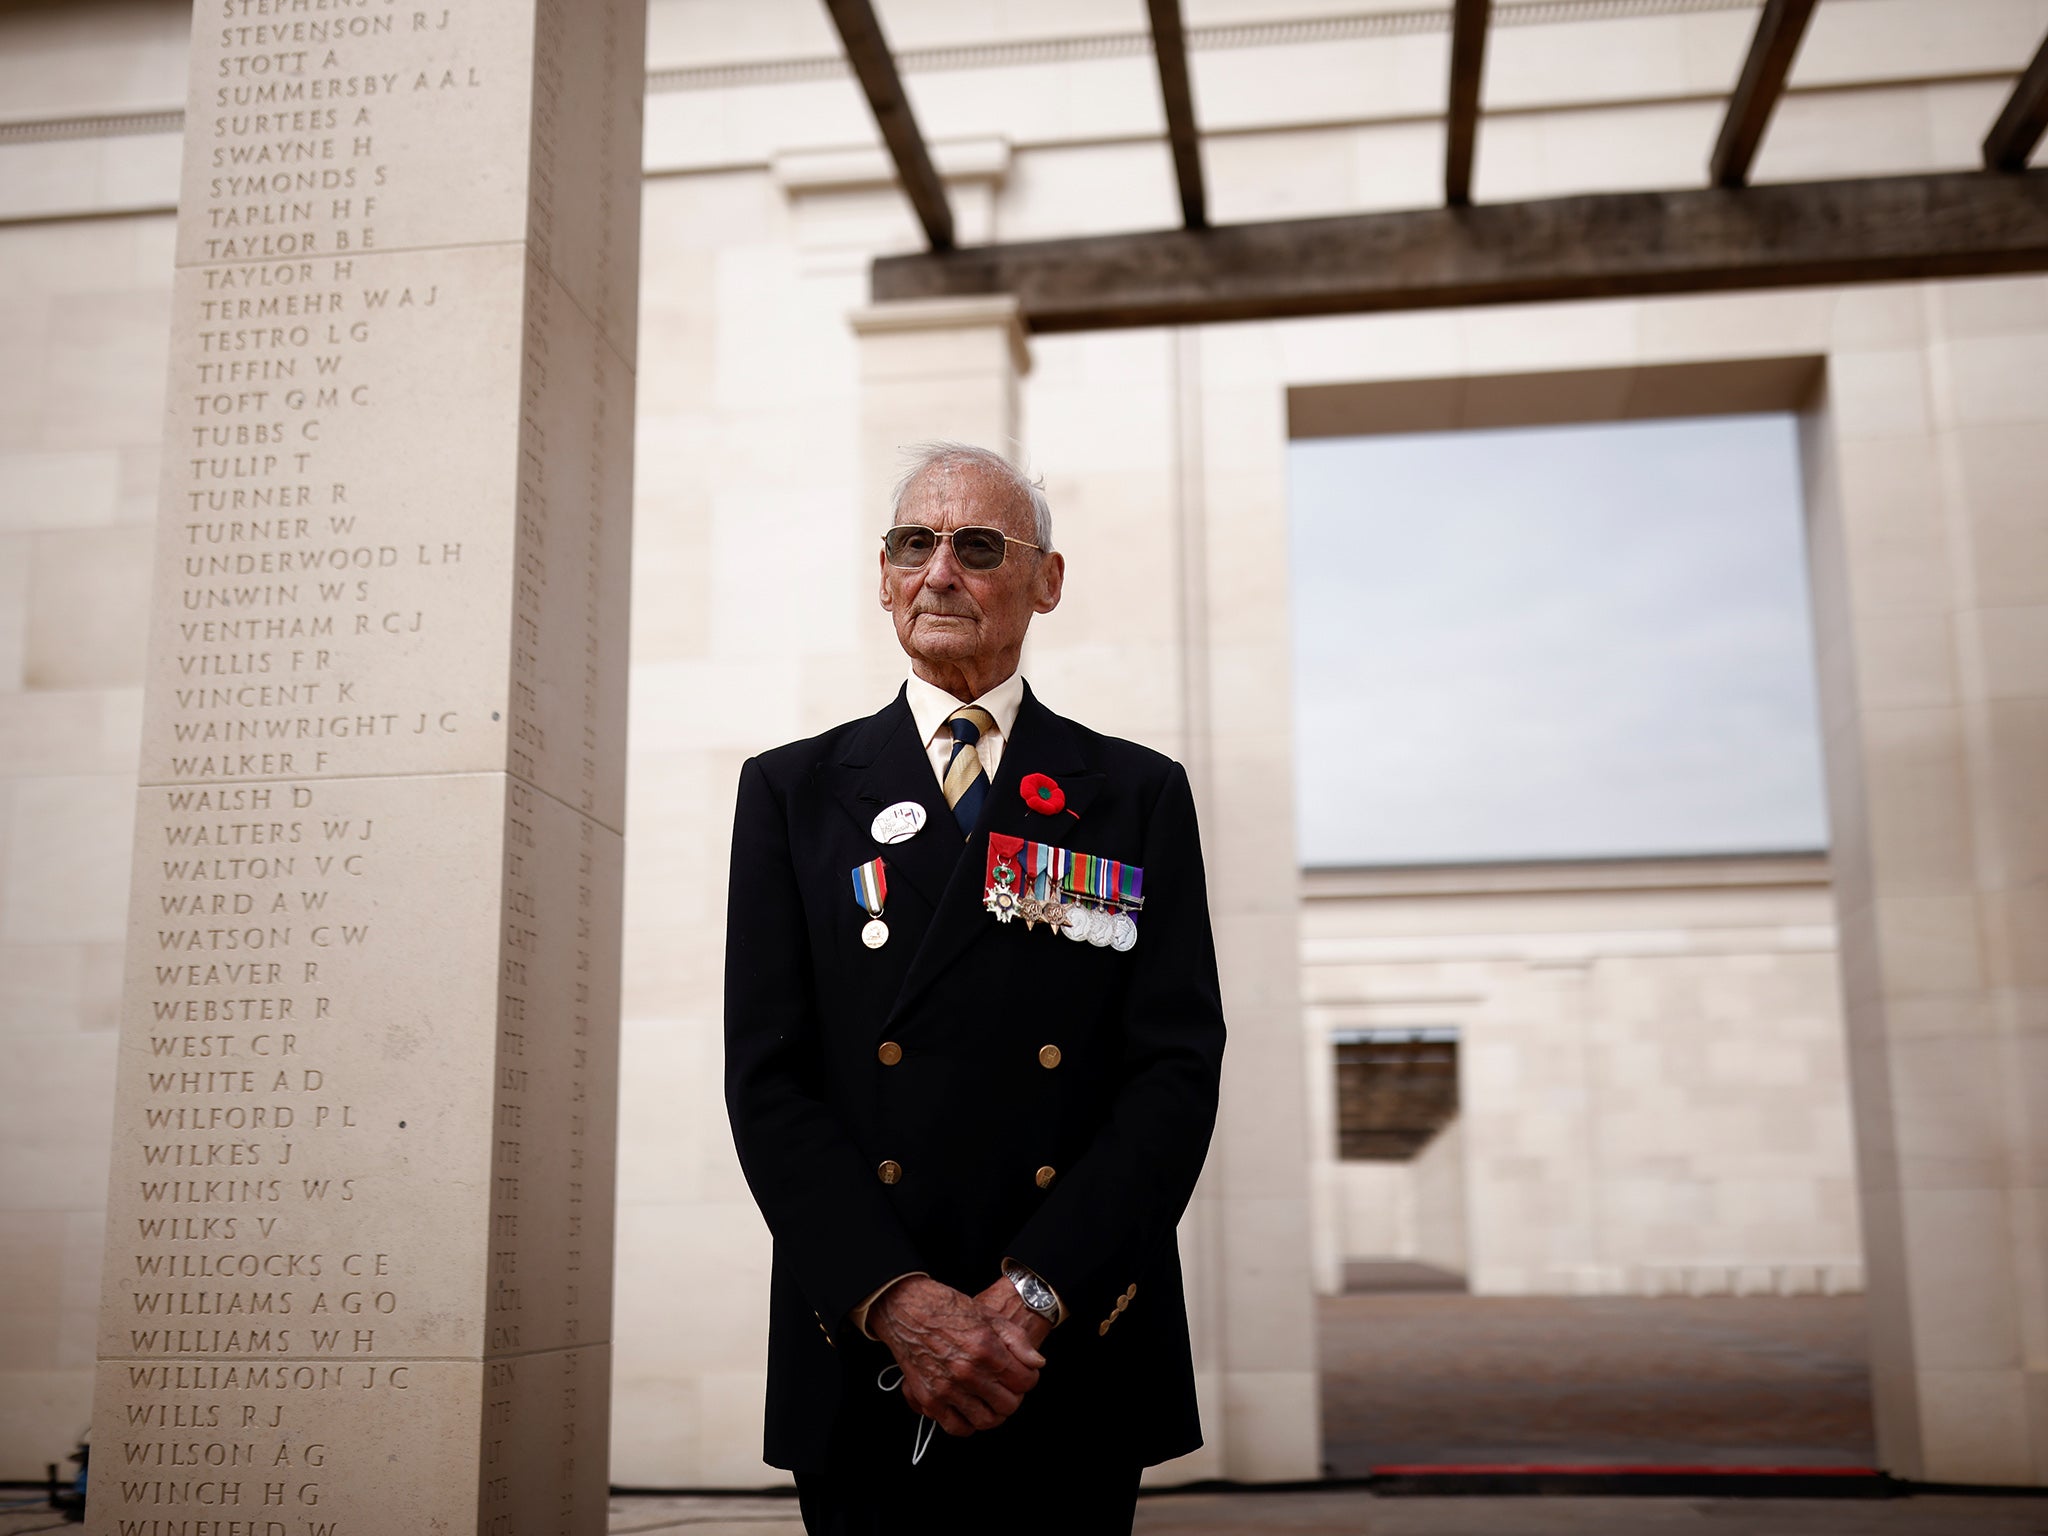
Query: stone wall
(1653, 1074)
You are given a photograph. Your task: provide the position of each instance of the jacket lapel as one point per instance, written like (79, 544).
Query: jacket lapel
(1041, 742)
(882, 764)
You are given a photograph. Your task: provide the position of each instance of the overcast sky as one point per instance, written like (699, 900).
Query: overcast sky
(1553, 642)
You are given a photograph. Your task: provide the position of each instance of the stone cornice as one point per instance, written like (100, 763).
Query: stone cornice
(1059, 50)
(1116, 45)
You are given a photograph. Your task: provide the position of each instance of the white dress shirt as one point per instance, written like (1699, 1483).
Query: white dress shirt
(931, 707)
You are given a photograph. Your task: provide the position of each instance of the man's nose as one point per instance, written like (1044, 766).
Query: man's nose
(942, 570)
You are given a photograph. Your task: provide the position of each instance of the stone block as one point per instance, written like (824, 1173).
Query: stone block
(2012, 923)
(1871, 132)
(15, 561)
(1990, 306)
(39, 986)
(24, 396)
(105, 382)
(1907, 660)
(1989, 380)
(88, 598)
(1917, 800)
(67, 864)
(1928, 944)
(58, 490)
(2009, 741)
(1951, 1128)
(1878, 394)
(1974, 1427)
(2002, 653)
(31, 1265)
(1277, 1436)
(1878, 316)
(56, 1122)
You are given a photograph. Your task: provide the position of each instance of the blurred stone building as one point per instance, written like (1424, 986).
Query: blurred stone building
(1652, 1082)
(1582, 1078)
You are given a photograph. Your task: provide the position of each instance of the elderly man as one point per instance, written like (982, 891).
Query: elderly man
(972, 1044)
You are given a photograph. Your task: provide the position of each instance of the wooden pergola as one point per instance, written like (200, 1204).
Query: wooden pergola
(1725, 235)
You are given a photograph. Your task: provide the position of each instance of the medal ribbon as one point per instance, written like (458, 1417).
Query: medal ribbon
(1034, 868)
(871, 886)
(1002, 849)
(1110, 882)
(1098, 875)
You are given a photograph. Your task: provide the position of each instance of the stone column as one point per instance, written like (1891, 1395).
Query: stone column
(358, 1266)
(1249, 1227)
(929, 368)
(1930, 570)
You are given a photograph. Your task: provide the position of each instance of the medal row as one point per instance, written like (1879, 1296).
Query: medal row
(1079, 896)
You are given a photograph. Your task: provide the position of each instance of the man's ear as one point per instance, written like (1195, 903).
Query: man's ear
(882, 559)
(1052, 580)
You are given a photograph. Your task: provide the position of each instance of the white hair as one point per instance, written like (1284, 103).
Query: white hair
(922, 457)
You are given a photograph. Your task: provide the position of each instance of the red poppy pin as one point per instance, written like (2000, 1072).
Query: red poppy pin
(1043, 794)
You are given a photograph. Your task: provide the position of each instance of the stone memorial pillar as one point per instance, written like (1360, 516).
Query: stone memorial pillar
(358, 1273)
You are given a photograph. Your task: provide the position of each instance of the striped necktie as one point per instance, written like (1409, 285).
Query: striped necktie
(966, 784)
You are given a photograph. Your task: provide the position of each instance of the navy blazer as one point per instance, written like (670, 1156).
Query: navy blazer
(965, 1106)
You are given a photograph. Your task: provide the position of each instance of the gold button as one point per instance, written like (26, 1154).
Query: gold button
(889, 1053)
(1104, 1327)
(1045, 1177)
(1122, 1302)
(1132, 1293)
(1048, 1056)
(890, 1171)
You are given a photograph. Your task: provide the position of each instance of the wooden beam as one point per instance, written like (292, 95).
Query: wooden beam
(1468, 62)
(2020, 125)
(1170, 47)
(868, 52)
(1778, 32)
(1704, 240)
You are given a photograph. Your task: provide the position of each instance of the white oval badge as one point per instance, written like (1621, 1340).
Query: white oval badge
(901, 822)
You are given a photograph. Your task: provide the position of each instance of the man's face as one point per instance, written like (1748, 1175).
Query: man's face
(958, 621)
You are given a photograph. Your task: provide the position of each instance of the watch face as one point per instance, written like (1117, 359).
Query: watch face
(1036, 1293)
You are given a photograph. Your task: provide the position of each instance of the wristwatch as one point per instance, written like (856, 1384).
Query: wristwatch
(1037, 1294)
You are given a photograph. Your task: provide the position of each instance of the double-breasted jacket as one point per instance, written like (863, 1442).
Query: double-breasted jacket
(971, 1091)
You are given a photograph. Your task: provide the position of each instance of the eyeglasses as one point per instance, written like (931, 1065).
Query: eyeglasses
(910, 545)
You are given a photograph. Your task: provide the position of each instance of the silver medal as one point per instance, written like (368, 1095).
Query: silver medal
(899, 823)
(1076, 925)
(1123, 933)
(1100, 926)
(1000, 898)
(875, 934)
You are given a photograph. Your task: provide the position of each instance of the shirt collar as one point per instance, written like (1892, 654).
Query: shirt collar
(931, 705)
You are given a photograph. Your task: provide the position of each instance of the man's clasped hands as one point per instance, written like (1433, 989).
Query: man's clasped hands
(967, 1361)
